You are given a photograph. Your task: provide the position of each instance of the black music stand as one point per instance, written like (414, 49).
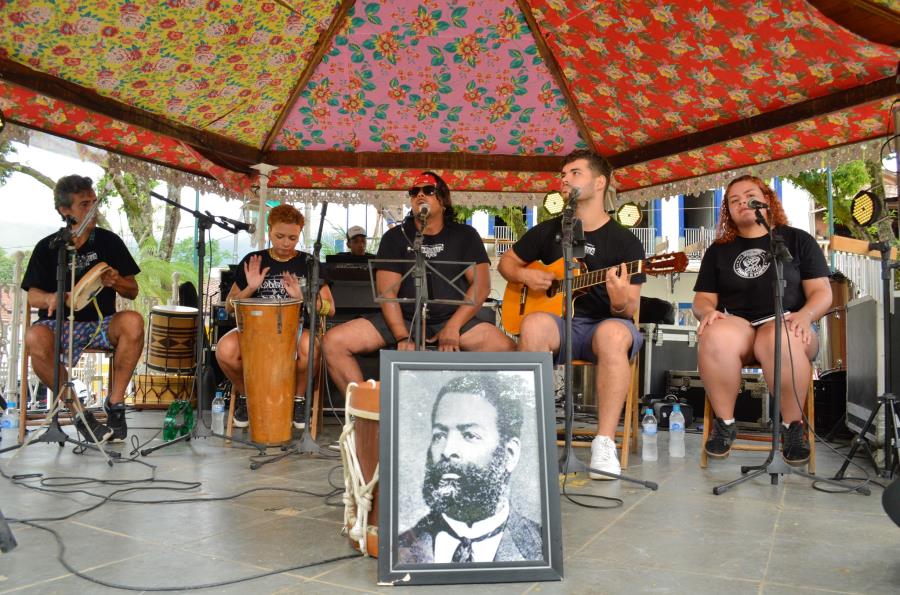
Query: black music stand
(53, 431)
(205, 221)
(775, 464)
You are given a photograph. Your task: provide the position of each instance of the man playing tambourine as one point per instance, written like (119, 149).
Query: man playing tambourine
(97, 325)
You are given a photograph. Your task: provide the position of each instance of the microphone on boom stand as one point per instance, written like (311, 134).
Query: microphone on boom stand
(423, 213)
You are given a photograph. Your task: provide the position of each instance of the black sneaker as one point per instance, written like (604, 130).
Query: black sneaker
(100, 431)
(299, 412)
(721, 436)
(241, 419)
(795, 444)
(115, 419)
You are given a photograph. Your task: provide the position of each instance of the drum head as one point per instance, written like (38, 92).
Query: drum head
(265, 302)
(87, 287)
(175, 310)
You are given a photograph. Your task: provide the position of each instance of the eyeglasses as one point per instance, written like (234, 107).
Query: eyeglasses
(428, 190)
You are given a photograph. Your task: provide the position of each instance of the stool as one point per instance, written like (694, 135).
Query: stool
(629, 433)
(65, 418)
(809, 412)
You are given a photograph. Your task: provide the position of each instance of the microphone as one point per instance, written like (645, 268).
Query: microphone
(574, 193)
(757, 204)
(424, 211)
(239, 225)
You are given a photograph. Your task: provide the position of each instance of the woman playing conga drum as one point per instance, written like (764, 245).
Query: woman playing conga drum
(272, 274)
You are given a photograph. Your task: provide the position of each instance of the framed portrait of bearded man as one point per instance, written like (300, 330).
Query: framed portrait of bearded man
(468, 470)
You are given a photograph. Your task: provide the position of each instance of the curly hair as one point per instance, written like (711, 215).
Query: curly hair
(728, 230)
(285, 214)
(67, 186)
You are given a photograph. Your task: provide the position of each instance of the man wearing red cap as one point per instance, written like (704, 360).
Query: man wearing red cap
(449, 327)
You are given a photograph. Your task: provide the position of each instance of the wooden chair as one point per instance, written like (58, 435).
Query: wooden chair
(755, 439)
(626, 439)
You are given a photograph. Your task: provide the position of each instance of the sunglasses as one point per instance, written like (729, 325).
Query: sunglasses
(428, 190)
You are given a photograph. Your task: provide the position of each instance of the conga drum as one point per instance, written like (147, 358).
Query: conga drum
(173, 335)
(268, 332)
(359, 453)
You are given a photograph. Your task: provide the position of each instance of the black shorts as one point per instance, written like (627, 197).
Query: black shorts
(431, 328)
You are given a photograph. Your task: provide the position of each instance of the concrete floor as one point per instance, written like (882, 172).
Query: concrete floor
(757, 538)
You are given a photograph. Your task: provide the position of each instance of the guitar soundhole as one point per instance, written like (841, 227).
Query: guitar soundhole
(553, 289)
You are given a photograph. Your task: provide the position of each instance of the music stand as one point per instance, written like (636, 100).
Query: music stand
(53, 432)
(205, 221)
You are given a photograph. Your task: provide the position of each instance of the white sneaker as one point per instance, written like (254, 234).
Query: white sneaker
(603, 458)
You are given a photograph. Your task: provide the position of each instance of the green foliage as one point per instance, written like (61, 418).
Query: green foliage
(184, 250)
(847, 180)
(7, 264)
(511, 215)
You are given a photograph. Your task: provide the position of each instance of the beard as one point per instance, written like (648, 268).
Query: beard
(471, 497)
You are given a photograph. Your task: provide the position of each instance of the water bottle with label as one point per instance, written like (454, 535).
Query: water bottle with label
(648, 436)
(218, 413)
(676, 432)
(9, 426)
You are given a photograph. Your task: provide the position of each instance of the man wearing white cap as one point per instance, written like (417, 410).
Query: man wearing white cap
(356, 241)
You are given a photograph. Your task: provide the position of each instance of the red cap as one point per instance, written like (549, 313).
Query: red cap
(424, 180)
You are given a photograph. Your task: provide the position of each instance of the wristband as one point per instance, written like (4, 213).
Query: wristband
(325, 308)
(406, 338)
(614, 311)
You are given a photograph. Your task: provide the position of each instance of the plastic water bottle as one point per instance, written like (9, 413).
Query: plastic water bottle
(648, 436)
(218, 413)
(676, 432)
(9, 426)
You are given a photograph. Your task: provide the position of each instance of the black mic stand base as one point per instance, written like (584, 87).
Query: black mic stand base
(7, 539)
(775, 465)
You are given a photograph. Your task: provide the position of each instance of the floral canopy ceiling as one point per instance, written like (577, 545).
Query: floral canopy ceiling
(347, 94)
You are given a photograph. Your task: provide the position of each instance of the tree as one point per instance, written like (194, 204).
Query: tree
(8, 263)
(512, 215)
(847, 180)
(185, 249)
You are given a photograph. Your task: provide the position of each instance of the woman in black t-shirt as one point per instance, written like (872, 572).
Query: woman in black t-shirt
(734, 293)
(271, 274)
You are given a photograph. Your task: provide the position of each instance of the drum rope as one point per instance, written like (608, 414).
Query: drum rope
(358, 495)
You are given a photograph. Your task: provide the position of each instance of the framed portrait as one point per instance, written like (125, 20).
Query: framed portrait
(468, 470)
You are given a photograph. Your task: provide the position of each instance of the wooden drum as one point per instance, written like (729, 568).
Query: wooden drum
(268, 332)
(173, 335)
(833, 327)
(359, 453)
(158, 391)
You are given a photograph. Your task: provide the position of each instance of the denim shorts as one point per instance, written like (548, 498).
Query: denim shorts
(583, 334)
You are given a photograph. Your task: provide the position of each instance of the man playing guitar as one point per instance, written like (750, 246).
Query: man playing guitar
(602, 328)
(96, 325)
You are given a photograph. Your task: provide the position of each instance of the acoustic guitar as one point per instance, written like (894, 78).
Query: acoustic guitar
(519, 301)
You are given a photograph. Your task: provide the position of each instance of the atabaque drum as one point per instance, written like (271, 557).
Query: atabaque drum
(158, 391)
(173, 335)
(268, 331)
(359, 454)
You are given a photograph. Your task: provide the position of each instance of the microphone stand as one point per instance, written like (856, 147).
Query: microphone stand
(62, 243)
(572, 239)
(775, 464)
(205, 221)
(421, 287)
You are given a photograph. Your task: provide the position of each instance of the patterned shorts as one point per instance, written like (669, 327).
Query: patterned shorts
(85, 335)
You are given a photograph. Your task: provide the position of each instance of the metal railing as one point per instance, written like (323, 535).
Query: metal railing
(503, 239)
(698, 236)
(647, 236)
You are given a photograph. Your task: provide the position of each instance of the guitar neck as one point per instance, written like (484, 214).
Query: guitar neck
(599, 276)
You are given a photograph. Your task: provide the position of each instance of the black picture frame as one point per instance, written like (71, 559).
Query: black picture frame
(527, 542)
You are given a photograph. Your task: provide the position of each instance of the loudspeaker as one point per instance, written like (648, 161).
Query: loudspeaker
(862, 363)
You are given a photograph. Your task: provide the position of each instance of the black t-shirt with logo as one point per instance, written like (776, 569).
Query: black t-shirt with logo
(456, 242)
(101, 246)
(272, 287)
(609, 245)
(741, 273)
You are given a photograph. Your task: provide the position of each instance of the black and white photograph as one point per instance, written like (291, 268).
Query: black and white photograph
(468, 467)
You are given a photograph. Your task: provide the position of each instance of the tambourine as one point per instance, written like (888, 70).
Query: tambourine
(87, 287)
